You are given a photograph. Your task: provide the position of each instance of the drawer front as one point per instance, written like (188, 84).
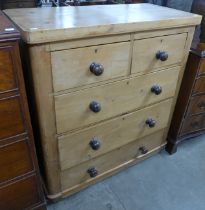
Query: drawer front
(202, 66)
(20, 195)
(7, 78)
(71, 68)
(94, 141)
(78, 109)
(193, 124)
(199, 86)
(11, 122)
(145, 51)
(196, 105)
(79, 174)
(15, 160)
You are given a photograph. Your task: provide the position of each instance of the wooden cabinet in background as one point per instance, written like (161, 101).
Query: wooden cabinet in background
(189, 115)
(20, 186)
(8, 4)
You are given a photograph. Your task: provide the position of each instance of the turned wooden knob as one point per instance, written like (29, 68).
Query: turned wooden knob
(92, 172)
(143, 150)
(162, 55)
(150, 122)
(156, 89)
(95, 144)
(96, 69)
(95, 106)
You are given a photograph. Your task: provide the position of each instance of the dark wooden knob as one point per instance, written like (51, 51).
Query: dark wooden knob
(143, 150)
(150, 122)
(96, 69)
(162, 55)
(156, 89)
(92, 172)
(95, 106)
(95, 144)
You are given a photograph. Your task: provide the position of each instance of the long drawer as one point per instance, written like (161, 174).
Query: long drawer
(78, 109)
(103, 164)
(91, 142)
(7, 76)
(71, 68)
(15, 160)
(196, 105)
(158, 52)
(11, 120)
(193, 124)
(19, 195)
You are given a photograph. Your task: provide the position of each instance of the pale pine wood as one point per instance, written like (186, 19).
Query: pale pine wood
(117, 95)
(162, 32)
(144, 52)
(65, 23)
(86, 42)
(72, 110)
(41, 77)
(113, 171)
(71, 67)
(119, 132)
(186, 54)
(78, 174)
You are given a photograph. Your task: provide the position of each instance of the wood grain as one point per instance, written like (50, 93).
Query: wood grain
(77, 175)
(11, 121)
(15, 160)
(144, 52)
(115, 99)
(78, 22)
(70, 68)
(7, 75)
(119, 132)
(20, 195)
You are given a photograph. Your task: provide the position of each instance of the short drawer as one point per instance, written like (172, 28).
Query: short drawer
(81, 66)
(158, 52)
(20, 195)
(92, 142)
(81, 108)
(15, 160)
(196, 105)
(199, 86)
(7, 75)
(11, 120)
(192, 124)
(96, 168)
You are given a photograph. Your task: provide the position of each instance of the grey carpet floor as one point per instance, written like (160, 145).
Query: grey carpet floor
(161, 182)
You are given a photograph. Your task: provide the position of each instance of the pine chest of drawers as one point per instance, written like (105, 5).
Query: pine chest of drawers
(105, 81)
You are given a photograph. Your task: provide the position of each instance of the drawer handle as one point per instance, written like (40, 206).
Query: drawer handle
(95, 144)
(92, 172)
(95, 106)
(96, 69)
(162, 55)
(150, 122)
(143, 150)
(201, 105)
(156, 89)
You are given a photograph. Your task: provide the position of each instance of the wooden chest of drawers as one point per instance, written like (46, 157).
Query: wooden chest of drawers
(105, 85)
(189, 115)
(20, 186)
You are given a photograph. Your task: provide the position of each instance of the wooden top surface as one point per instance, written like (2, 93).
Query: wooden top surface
(38, 25)
(7, 29)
